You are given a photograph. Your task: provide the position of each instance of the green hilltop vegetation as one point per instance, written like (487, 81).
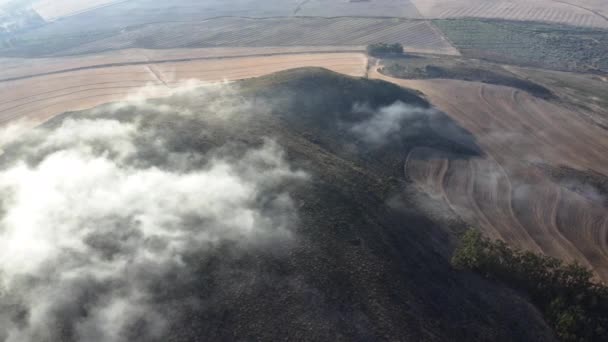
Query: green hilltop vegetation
(573, 304)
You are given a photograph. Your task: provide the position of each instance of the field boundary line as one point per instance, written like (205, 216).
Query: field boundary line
(583, 8)
(176, 60)
(444, 36)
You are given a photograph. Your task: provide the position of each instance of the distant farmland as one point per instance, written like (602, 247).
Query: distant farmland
(54, 9)
(108, 15)
(375, 8)
(415, 35)
(534, 44)
(571, 12)
(39, 98)
(507, 193)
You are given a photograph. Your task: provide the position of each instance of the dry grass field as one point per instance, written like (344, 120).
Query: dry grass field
(376, 8)
(19, 67)
(54, 9)
(506, 193)
(575, 12)
(39, 98)
(415, 35)
(590, 13)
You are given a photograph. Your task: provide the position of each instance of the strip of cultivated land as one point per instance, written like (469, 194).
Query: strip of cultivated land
(415, 35)
(55, 9)
(104, 15)
(587, 13)
(134, 12)
(357, 8)
(39, 98)
(19, 68)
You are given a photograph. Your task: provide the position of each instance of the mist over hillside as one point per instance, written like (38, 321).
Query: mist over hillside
(308, 170)
(269, 208)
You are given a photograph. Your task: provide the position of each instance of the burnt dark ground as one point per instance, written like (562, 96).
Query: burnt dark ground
(461, 69)
(367, 263)
(587, 183)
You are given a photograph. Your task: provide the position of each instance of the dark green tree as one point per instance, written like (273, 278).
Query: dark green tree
(573, 303)
(379, 49)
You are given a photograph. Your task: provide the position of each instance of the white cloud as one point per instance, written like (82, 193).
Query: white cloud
(86, 232)
(386, 121)
(12, 132)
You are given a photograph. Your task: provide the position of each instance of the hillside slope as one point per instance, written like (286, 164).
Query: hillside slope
(538, 185)
(355, 258)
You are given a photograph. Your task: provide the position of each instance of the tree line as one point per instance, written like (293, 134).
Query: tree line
(573, 304)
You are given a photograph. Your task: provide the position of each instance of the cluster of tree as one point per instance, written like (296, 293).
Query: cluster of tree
(573, 303)
(384, 48)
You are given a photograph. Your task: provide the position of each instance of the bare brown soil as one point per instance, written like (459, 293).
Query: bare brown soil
(591, 13)
(40, 98)
(19, 67)
(54, 9)
(414, 35)
(506, 193)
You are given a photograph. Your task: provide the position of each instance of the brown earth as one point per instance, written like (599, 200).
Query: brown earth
(506, 193)
(54, 9)
(20, 67)
(42, 97)
(414, 35)
(591, 13)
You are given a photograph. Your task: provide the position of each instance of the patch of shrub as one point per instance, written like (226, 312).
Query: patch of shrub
(572, 302)
(378, 49)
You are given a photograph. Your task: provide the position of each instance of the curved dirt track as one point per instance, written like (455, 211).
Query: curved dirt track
(506, 193)
(38, 98)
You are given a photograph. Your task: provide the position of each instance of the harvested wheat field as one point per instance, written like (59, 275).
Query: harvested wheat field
(376, 8)
(21, 67)
(589, 13)
(508, 193)
(414, 35)
(41, 97)
(54, 9)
